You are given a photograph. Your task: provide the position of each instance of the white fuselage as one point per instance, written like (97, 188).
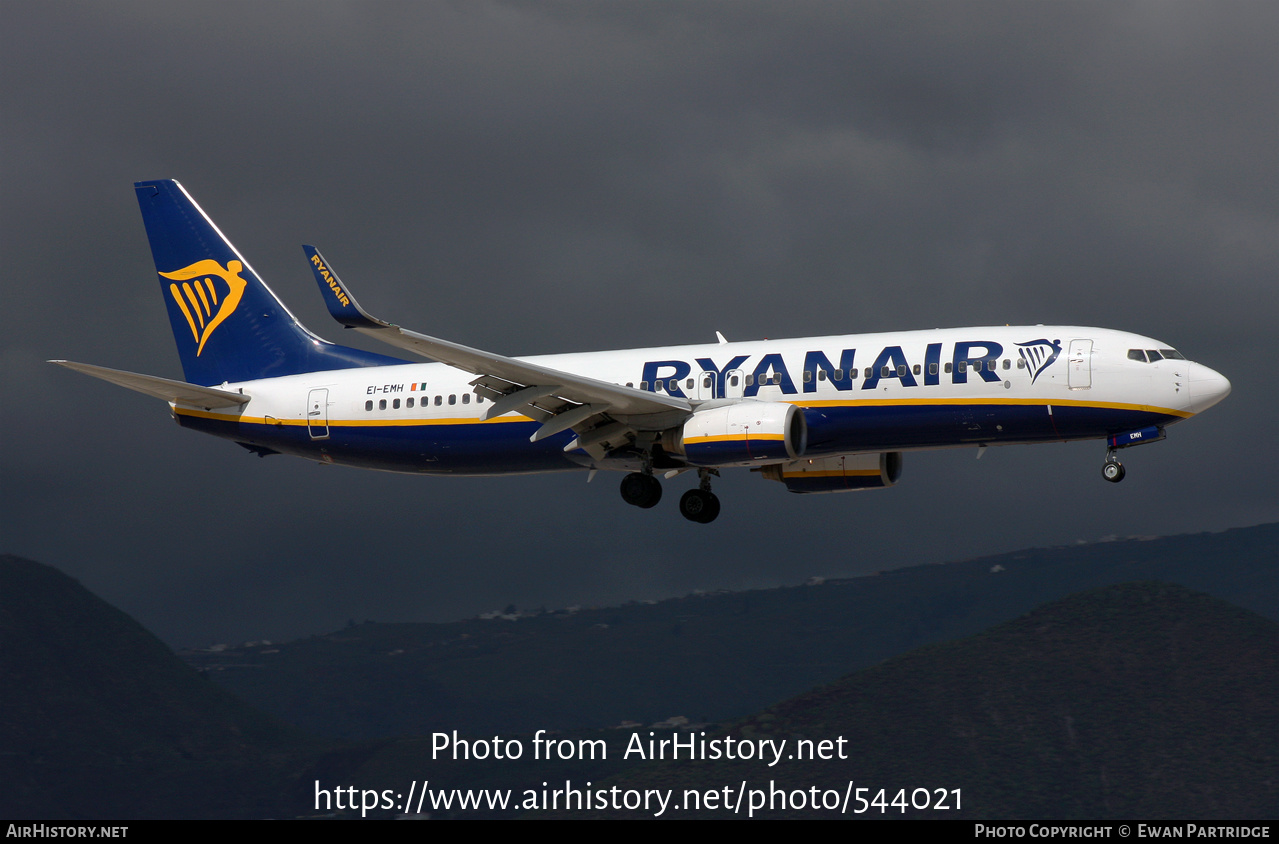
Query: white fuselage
(859, 393)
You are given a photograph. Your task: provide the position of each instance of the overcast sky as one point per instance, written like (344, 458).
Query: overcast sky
(535, 178)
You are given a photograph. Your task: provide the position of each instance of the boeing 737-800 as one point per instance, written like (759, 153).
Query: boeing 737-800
(818, 414)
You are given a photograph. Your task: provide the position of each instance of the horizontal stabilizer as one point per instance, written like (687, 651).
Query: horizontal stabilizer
(178, 392)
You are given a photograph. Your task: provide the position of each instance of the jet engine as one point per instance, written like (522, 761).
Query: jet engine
(744, 433)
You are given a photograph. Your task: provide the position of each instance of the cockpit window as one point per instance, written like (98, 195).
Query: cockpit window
(1152, 355)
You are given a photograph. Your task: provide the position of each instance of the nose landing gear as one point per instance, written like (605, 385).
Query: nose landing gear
(1112, 470)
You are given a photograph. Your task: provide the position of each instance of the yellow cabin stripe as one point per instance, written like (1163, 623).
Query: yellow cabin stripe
(410, 422)
(351, 423)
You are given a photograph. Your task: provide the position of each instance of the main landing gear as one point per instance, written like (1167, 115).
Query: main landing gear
(1112, 470)
(641, 489)
(700, 505)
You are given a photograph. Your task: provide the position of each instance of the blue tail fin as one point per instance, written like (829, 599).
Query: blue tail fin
(228, 324)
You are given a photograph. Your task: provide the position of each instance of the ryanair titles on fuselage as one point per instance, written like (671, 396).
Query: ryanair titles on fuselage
(890, 364)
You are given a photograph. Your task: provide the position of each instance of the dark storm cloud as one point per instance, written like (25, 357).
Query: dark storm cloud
(538, 178)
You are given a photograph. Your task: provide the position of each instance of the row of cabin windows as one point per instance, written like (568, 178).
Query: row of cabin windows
(837, 375)
(425, 402)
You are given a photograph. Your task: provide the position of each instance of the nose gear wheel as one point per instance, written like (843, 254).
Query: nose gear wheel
(1112, 470)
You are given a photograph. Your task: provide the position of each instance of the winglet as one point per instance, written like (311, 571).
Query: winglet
(341, 303)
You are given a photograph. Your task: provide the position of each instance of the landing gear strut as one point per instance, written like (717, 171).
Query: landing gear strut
(700, 505)
(1112, 470)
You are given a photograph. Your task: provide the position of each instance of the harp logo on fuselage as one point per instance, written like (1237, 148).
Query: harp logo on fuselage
(1039, 355)
(207, 295)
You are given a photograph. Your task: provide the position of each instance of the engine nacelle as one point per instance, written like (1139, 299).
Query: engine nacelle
(746, 433)
(848, 473)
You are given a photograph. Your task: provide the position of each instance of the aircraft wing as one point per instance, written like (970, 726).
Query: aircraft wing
(178, 392)
(560, 400)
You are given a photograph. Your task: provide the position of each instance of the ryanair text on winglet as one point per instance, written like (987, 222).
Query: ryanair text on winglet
(328, 276)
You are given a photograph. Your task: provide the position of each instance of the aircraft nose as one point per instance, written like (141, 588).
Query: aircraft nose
(1207, 387)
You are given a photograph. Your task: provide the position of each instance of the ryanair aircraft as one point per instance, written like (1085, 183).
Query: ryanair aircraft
(819, 414)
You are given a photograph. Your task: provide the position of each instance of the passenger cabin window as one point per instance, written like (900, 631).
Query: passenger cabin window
(368, 405)
(808, 375)
(439, 400)
(932, 369)
(689, 383)
(466, 398)
(916, 369)
(901, 370)
(409, 403)
(1007, 363)
(1021, 364)
(381, 404)
(396, 404)
(453, 399)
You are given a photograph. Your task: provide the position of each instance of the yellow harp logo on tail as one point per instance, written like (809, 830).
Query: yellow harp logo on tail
(204, 302)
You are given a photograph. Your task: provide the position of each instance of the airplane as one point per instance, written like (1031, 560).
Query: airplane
(817, 414)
